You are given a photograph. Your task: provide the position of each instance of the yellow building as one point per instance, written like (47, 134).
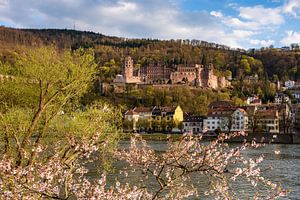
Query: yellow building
(168, 114)
(161, 117)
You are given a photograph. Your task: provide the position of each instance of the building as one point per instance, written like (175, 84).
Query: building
(158, 72)
(296, 95)
(226, 119)
(239, 120)
(167, 114)
(186, 74)
(155, 72)
(193, 124)
(268, 120)
(282, 98)
(221, 104)
(212, 122)
(253, 100)
(289, 84)
(129, 75)
(138, 114)
(155, 118)
(199, 76)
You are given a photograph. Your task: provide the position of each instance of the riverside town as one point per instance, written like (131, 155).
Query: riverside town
(149, 100)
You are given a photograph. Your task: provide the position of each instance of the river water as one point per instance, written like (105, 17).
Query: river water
(285, 164)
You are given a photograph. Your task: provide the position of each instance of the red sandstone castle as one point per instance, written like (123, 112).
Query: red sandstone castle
(197, 75)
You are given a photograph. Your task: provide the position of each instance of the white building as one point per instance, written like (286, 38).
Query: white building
(138, 113)
(212, 122)
(282, 98)
(193, 124)
(226, 119)
(239, 120)
(253, 100)
(289, 84)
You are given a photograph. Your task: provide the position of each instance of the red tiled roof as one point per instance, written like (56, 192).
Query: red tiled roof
(142, 109)
(129, 112)
(267, 114)
(242, 111)
(220, 104)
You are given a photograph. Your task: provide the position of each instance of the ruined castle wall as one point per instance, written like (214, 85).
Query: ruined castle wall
(180, 76)
(223, 82)
(133, 79)
(212, 81)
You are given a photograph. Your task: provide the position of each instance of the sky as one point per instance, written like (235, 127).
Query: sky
(236, 23)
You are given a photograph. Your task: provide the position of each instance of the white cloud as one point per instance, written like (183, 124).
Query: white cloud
(291, 37)
(147, 19)
(243, 33)
(3, 2)
(125, 18)
(262, 15)
(216, 14)
(262, 43)
(292, 7)
(252, 18)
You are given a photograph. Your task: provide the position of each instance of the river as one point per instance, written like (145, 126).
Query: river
(286, 168)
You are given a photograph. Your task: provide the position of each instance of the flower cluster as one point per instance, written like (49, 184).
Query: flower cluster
(63, 173)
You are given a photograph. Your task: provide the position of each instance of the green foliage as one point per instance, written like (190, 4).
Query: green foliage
(47, 89)
(127, 125)
(143, 124)
(238, 101)
(245, 66)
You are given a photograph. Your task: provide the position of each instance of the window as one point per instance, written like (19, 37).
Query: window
(213, 122)
(208, 122)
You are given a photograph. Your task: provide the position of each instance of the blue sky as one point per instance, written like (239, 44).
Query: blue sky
(236, 23)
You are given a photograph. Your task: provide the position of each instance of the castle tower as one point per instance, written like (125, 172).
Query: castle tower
(128, 68)
(198, 70)
(212, 80)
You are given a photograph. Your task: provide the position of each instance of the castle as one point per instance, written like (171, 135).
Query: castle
(197, 75)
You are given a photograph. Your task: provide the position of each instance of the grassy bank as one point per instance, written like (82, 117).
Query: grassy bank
(153, 136)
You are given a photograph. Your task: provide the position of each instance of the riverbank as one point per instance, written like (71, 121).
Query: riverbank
(153, 136)
(258, 137)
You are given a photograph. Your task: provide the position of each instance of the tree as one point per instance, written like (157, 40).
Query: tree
(128, 125)
(174, 171)
(171, 124)
(181, 126)
(253, 122)
(164, 124)
(285, 121)
(47, 143)
(155, 125)
(143, 124)
(245, 66)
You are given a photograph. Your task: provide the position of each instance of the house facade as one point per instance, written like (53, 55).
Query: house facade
(226, 119)
(155, 117)
(268, 120)
(193, 124)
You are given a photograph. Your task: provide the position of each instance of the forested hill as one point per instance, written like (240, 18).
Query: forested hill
(282, 65)
(110, 52)
(114, 49)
